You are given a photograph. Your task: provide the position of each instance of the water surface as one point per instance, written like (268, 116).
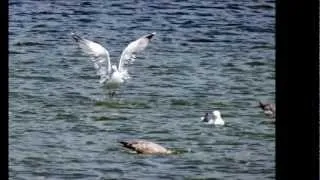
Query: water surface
(206, 55)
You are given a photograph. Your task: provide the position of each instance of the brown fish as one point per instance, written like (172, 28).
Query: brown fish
(145, 147)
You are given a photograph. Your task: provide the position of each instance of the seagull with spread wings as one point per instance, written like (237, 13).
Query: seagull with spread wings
(109, 73)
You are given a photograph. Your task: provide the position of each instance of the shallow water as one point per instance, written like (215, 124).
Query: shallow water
(206, 55)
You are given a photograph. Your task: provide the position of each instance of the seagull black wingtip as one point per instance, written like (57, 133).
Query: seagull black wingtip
(150, 36)
(76, 37)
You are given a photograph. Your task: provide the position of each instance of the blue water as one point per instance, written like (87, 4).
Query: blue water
(206, 55)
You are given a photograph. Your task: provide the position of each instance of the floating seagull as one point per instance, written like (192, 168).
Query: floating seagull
(145, 147)
(217, 118)
(269, 109)
(110, 73)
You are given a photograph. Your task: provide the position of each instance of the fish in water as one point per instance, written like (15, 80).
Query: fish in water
(145, 147)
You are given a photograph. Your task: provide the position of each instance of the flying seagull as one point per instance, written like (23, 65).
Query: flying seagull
(111, 74)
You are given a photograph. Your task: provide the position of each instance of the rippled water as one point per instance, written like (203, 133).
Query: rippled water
(206, 55)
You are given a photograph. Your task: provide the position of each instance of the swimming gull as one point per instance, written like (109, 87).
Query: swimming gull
(269, 109)
(110, 73)
(214, 118)
(145, 147)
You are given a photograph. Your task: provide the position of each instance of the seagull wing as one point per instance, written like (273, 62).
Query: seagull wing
(206, 117)
(128, 55)
(99, 55)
